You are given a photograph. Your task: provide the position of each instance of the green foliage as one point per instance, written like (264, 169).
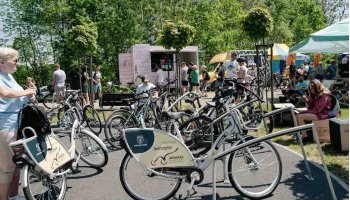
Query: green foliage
(82, 39)
(257, 24)
(49, 31)
(176, 35)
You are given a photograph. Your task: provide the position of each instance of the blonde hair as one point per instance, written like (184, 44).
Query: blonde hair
(7, 54)
(319, 90)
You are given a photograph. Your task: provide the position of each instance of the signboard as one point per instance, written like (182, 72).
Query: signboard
(317, 59)
(291, 56)
(126, 70)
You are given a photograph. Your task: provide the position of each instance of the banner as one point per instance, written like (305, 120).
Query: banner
(317, 59)
(291, 56)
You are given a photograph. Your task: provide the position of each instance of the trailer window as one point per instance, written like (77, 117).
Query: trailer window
(163, 60)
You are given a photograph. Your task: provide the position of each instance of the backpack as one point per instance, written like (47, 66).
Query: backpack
(35, 117)
(335, 108)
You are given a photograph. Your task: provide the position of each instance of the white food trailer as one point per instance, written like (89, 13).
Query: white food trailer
(143, 59)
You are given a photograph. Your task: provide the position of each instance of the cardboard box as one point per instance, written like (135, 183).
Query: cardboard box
(339, 134)
(322, 129)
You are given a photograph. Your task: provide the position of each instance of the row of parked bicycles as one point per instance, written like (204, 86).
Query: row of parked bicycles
(168, 141)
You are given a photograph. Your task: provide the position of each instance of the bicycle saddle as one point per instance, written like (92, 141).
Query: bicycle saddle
(173, 115)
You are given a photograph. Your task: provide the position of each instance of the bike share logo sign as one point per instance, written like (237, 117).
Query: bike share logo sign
(140, 140)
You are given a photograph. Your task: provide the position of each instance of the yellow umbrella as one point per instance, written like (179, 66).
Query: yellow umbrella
(220, 57)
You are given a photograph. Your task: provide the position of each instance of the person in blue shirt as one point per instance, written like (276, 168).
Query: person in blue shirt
(12, 98)
(331, 70)
(299, 88)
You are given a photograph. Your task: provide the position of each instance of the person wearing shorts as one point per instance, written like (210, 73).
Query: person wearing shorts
(96, 79)
(12, 98)
(184, 78)
(58, 81)
(85, 87)
(194, 77)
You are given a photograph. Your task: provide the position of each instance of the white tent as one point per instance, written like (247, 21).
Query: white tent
(333, 39)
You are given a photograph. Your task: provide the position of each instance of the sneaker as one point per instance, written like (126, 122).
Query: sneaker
(17, 197)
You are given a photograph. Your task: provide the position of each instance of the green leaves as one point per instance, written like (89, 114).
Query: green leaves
(176, 35)
(257, 24)
(82, 39)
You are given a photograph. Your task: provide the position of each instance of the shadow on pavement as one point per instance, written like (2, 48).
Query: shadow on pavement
(302, 188)
(86, 172)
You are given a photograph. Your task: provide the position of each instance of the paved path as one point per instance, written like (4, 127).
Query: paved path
(104, 184)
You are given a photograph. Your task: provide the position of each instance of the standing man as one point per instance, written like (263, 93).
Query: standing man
(190, 68)
(96, 79)
(58, 81)
(292, 69)
(305, 70)
(231, 67)
(184, 78)
(160, 77)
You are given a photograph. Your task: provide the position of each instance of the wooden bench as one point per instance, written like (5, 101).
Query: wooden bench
(111, 99)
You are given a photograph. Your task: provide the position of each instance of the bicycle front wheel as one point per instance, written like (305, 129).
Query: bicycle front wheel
(92, 150)
(92, 119)
(141, 184)
(255, 171)
(37, 185)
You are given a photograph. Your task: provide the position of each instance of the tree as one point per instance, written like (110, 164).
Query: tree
(176, 35)
(257, 24)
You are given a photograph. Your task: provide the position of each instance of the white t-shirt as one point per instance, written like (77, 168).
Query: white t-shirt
(184, 73)
(97, 76)
(60, 77)
(160, 76)
(305, 68)
(231, 68)
(242, 74)
(143, 88)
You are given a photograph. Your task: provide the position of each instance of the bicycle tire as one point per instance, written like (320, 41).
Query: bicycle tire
(48, 100)
(93, 122)
(200, 138)
(255, 169)
(89, 136)
(114, 134)
(131, 191)
(49, 190)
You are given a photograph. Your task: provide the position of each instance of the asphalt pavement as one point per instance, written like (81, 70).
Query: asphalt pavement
(104, 184)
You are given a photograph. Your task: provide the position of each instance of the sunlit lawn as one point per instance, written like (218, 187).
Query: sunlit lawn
(337, 162)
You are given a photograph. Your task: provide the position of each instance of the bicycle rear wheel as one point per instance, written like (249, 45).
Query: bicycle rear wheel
(196, 133)
(255, 171)
(92, 119)
(37, 185)
(92, 150)
(141, 184)
(49, 100)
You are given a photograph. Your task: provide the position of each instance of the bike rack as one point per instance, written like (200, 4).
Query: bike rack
(274, 135)
(280, 110)
(291, 109)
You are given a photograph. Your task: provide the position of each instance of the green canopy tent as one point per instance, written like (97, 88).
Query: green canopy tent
(333, 39)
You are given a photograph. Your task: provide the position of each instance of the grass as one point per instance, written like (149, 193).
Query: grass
(337, 162)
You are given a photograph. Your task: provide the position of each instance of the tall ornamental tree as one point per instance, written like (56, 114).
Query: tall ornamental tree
(176, 35)
(258, 25)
